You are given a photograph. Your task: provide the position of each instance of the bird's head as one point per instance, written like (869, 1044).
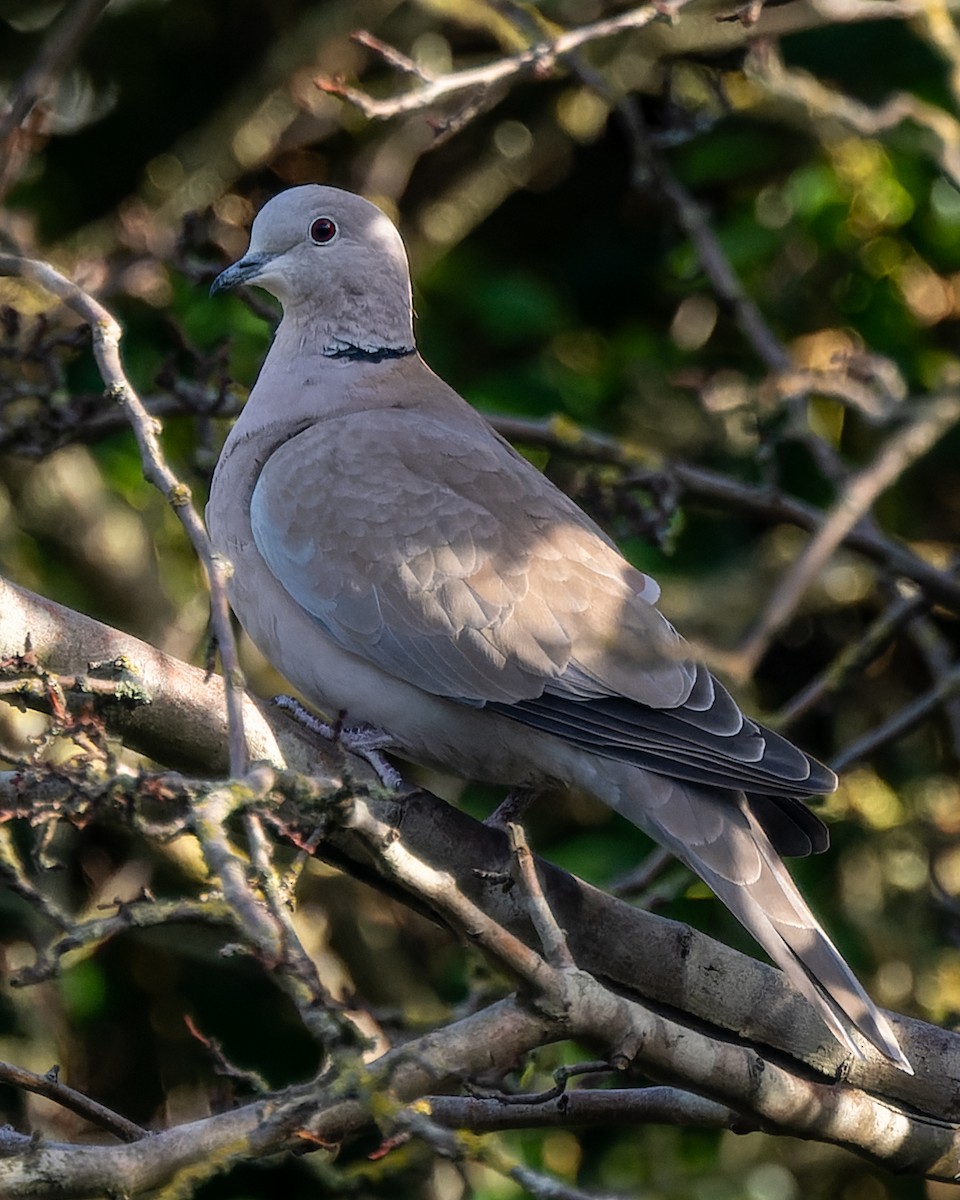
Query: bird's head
(335, 262)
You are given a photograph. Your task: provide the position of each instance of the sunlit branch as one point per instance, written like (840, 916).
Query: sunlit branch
(106, 347)
(539, 58)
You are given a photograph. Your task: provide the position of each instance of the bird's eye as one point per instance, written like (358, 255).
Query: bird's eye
(323, 230)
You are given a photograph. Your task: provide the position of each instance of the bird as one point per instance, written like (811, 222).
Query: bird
(401, 564)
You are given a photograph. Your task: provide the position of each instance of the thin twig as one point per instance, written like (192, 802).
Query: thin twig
(223, 1066)
(821, 109)
(562, 1076)
(692, 218)
(14, 876)
(641, 878)
(106, 347)
(857, 498)
(539, 57)
(938, 656)
(49, 1086)
(439, 889)
(327, 1017)
(853, 657)
(266, 928)
(449, 1144)
(392, 56)
(909, 717)
(552, 938)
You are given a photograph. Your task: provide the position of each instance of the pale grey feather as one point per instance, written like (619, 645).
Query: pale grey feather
(426, 579)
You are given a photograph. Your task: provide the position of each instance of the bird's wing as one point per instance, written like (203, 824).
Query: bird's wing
(435, 551)
(447, 560)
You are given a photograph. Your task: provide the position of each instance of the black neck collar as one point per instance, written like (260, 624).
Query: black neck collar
(371, 354)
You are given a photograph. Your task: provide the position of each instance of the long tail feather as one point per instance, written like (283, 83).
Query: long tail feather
(719, 838)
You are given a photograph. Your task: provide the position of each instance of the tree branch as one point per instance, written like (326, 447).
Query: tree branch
(539, 58)
(106, 348)
(858, 496)
(49, 1085)
(612, 1106)
(59, 47)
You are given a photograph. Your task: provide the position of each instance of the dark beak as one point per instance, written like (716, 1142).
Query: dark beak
(244, 270)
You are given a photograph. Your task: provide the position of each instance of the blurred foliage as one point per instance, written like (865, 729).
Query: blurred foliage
(545, 284)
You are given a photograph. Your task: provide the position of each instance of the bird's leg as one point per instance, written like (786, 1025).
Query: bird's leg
(366, 741)
(511, 808)
(303, 716)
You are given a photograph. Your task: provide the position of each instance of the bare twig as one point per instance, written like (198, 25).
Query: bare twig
(552, 939)
(14, 876)
(328, 1019)
(562, 1076)
(439, 889)
(224, 1067)
(444, 1141)
(822, 109)
(857, 498)
(267, 928)
(909, 717)
(641, 878)
(140, 914)
(540, 57)
(693, 220)
(938, 656)
(106, 347)
(852, 658)
(392, 56)
(49, 1085)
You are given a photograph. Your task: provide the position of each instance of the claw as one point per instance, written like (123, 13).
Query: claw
(366, 741)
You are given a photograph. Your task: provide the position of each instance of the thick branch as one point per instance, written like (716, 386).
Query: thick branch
(611, 1106)
(184, 724)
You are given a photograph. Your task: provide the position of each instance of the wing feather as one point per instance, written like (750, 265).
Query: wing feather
(453, 564)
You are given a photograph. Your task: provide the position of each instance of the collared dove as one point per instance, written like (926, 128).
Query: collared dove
(400, 563)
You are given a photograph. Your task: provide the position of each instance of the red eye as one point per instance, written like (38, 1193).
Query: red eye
(323, 230)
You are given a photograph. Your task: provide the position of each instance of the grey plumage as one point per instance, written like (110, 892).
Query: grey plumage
(397, 560)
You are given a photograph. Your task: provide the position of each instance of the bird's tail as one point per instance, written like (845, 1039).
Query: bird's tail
(717, 836)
